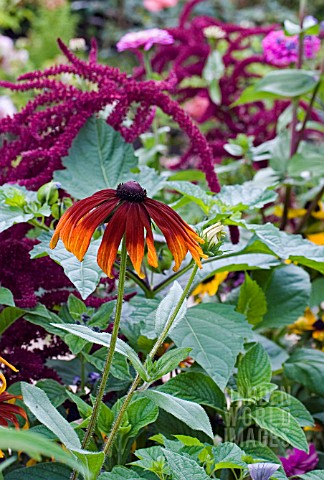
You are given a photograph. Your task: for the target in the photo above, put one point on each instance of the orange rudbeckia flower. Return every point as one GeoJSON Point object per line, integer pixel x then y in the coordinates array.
{"type": "Point", "coordinates": [127, 211]}
{"type": "Point", "coordinates": [8, 411]}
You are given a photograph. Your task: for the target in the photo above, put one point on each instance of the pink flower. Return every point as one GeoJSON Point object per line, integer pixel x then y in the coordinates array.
{"type": "Point", "coordinates": [299, 462]}
{"type": "Point", "coordinates": [196, 106]}
{"type": "Point", "coordinates": [144, 39]}
{"type": "Point", "coordinates": [281, 50]}
{"type": "Point", "coordinates": [157, 5]}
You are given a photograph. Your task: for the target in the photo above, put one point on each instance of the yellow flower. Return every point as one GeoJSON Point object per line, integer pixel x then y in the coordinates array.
{"type": "Point", "coordinates": [292, 212]}
{"type": "Point", "coordinates": [304, 323]}
{"type": "Point", "coordinates": [317, 238]}
{"type": "Point", "coordinates": [319, 212]}
{"type": "Point", "coordinates": [2, 377]}
{"type": "Point", "coordinates": [210, 285]}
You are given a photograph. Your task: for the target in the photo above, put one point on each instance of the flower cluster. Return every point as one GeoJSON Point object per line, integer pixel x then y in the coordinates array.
{"type": "Point", "coordinates": [144, 39]}
{"type": "Point", "coordinates": [11, 58]}
{"type": "Point", "coordinates": [45, 128]}
{"type": "Point", "coordinates": [281, 50]}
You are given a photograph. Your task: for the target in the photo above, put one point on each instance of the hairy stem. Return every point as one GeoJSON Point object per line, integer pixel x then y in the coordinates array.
{"type": "Point", "coordinates": [111, 351]}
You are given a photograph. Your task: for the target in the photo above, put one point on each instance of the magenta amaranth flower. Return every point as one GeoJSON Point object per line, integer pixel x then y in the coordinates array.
{"type": "Point", "coordinates": [281, 50]}
{"type": "Point", "coordinates": [299, 462]}
{"type": "Point", "coordinates": [144, 39]}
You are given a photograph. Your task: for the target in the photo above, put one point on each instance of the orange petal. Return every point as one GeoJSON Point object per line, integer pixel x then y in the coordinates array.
{"type": "Point", "coordinates": [135, 237]}
{"type": "Point", "coordinates": [151, 252]}
{"type": "Point", "coordinates": [80, 237]}
{"type": "Point", "coordinates": [111, 240]}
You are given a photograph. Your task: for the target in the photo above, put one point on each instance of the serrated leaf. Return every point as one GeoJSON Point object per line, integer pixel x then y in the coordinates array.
{"type": "Point", "coordinates": [216, 335]}
{"type": "Point", "coordinates": [103, 151]}
{"type": "Point", "coordinates": [305, 366]}
{"type": "Point", "coordinates": [140, 413]}
{"type": "Point", "coordinates": [167, 307]}
{"type": "Point", "coordinates": [245, 196]}
{"type": "Point", "coordinates": [190, 413]}
{"type": "Point", "coordinates": [196, 387]}
{"type": "Point", "coordinates": [39, 404]}
{"type": "Point", "coordinates": [259, 451]}
{"type": "Point", "coordinates": [277, 354]}
{"type": "Point", "coordinates": [254, 369]}
{"type": "Point", "coordinates": [183, 468]}
{"type": "Point", "coordinates": [228, 455]}
{"type": "Point", "coordinates": [193, 193]}
{"type": "Point", "coordinates": [84, 275]}
{"type": "Point", "coordinates": [252, 301]}
{"type": "Point", "coordinates": [292, 405]}
{"type": "Point", "coordinates": [282, 424]}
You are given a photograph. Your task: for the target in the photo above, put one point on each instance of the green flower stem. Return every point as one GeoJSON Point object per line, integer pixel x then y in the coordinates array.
{"type": "Point", "coordinates": [171, 279]}
{"type": "Point", "coordinates": [37, 224]}
{"type": "Point", "coordinates": [137, 381]}
{"type": "Point", "coordinates": [111, 351]}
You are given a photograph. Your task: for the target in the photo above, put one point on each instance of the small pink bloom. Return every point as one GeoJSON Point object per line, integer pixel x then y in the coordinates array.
{"type": "Point", "coordinates": [196, 107]}
{"type": "Point", "coordinates": [157, 5]}
{"type": "Point", "coordinates": [281, 50]}
{"type": "Point", "coordinates": [144, 39]}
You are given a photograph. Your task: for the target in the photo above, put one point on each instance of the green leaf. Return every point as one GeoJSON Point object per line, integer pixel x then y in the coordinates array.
{"type": "Point", "coordinates": [196, 387]}
{"type": "Point", "coordinates": [305, 366]}
{"type": "Point", "coordinates": [84, 275]}
{"type": "Point", "coordinates": [120, 473]}
{"type": "Point", "coordinates": [259, 451]}
{"type": "Point", "coordinates": [48, 470]}
{"type": "Point", "coordinates": [287, 292]}
{"type": "Point", "coordinates": [152, 181]}
{"type": "Point", "coordinates": [254, 369]}
{"type": "Point", "coordinates": [277, 355]}
{"type": "Point", "coordinates": [310, 27]}
{"type": "Point", "coordinates": [168, 362]}
{"type": "Point", "coordinates": [6, 297]}
{"type": "Point", "coordinates": [228, 455]}
{"type": "Point", "coordinates": [140, 413]}
{"type": "Point", "coordinates": [252, 301]}
{"type": "Point", "coordinates": [183, 468]}
{"type": "Point", "coordinates": [216, 335]}
{"type": "Point", "coordinates": [8, 316]}
{"type": "Point", "coordinates": [282, 424]}
{"type": "Point", "coordinates": [287, 246]}
{"type": "Point", "coordinates": [193, 193]}
{"type": "Point", "coordinates": [246, 196]}
{"type": "Point", "coordinates": [287, 83]}
{"type": "Point", "coordinates": [38, 403]}
{"type": "Point", "coordinates": [190, 413]}
{"type": "Point", "coordinates": [235, 263]}
{"type": "Point", "coordinates": [92, 462]}
{"type": "Point", "coordinates": [103, 151]}
{"type": "Point", "coordinates": [167, 307]}
{"type": "Point", "coordinates": [84, 409]}
{"type": "Point", "coordinates": [317, 292]}
{"type": "Point", "coordinates": [104, 339]}
{"type": "Point", "coordinates": [54, 390]}
{"type": "Point", "coordinates": [213, 71]}
{"type": "Point", "coordinates": [35, 446]}
{"type": "Point", "coordinates": [307, 162]}
{"type": "Point", "coordinates": [314, 475]}
{"type": "Point", "coordinates": [290, 404]}
{"type": "Point", "coordinates": [250, 95]}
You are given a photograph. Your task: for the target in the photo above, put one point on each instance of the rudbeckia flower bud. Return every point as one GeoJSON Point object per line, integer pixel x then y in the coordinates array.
{"type": "Point", "coordinates": [128, 212]}
{"type": "Point", "coordinates": [48, 193]}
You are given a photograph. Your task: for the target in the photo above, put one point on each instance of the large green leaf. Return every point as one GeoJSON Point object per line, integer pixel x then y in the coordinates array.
{"type": "Point", "coordinates": [140, 413]}
{"type": "Point", "coordinates": [194, 193]}
{"type": "Point", "coordinates": [92, 462]}
{"type": "Point", "coordinates": [287, 290]}
{"type": "Point", "coordinates": [183, 468]}
{"type": "Point", "coordinates": [228, 455]}
{"type": "Point", "coordinates": [6, 297]}
{"type": "Point", "coordinates": [189, 413]}
{"type": "Point", "coordinates": [216, 335]}
{"type": "Point", "coordinates": [289, 403]}
{"type": "Point", "coordinates": [277, 355]}
{"type": "Point", "coordinates": [306, 366]}
{"type": "Point", "coordinates": [55, 391]}
{"type": "Point", "coordinates": [282, 424]}
{"type": "Point", "coordinates": [167, 307]}
{"type": "Point", "coordinates": [38, 403]}
{"type": "Point", "coordinates": [287, 83]}
{"type": "Point", "coordinates": [245, 196]}
{"type": "Point", "coordinates": [84, 275]}
{"type": "Point", "coordinates": [259, 451]}
{"type": "Point", "coordinates": [8, 316]}
{"type": "Point", "coordinates": [42, 471]}
{"type": "Point", "coordinates": [196, 387]}
{"type": "Point", "coordinates": [253, 370]}
{"type": "Point", "coordinates": [286, 246]}
{"type": "Point", "coordinates": [314, 475]}
{"type": "Point", "coordinates": [120, 473]}
{"type": "Point", "coordinates": [99, 158]}
{"type": "Point", "coordinates": [35, 446]}
{"type": "Point", "coordinates": [252, 302]}
{"type": "Point", "coordinates": [236, 263]}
